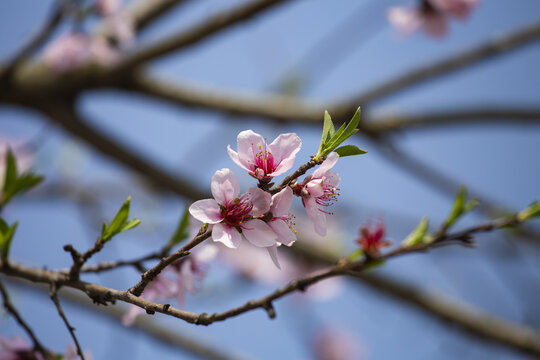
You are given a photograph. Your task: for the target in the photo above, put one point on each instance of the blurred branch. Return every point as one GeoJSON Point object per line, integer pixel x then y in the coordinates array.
{"type": "Point", "coordinates": [71, 329]}
{"type": "Point", "coordinates": [145, 12]}
{"type": "Point", "coordinates": [65, 116]}
{"type": "Point", "coordinates": [488, 50]}
{"type": "Point", "coordinates": [13, 311]}
{"type": "Point", "coordinates": [173, 337]}
{"type": "Point", "coordinates": [41, 35]}
{"type": "Point", "coordinates": [208, 27]}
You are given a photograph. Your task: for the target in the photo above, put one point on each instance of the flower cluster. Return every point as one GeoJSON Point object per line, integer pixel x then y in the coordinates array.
{"type": "Point", "coordinates": [76, 48]}
{"type": "Point", "coordinates": [431, 15]}
{"type": "Point", "coordinates": [372, 239]}
{"type": "Point", "coordinates": [263, 219]}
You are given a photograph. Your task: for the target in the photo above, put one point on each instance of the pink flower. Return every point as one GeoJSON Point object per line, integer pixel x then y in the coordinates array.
{"type": "Point", "coordinates": [408, 20]}
{"type": "Point", "coordinates": [281, 221]}
{"type": "Point", "coordinates": [15, 348]}
{"type": "Point", "coordinates": [319, 191]}
{"type": "Point", "coordinates": [122, 29]}
{"type": "Point", "coordinates": [73, 50]}
{"type": "Point", "coordinates": [335, 343]}
{"type": "Point", "coordinates": [108, 7]}
{"type": "Point", "coordinates": [71, 353]}
{"type": "Point", "coordinates": [264, 161]}
{"type": "Point", "coordinates": [431, 15]}
{"type": "Point", "coordinates": [458, 8]}
{"type": "Point", "coordinates": [235, 217]}
{"type": "Point", "coordinates": [372, 239]}
{"type": "Point", "coordinates": [176, 280]}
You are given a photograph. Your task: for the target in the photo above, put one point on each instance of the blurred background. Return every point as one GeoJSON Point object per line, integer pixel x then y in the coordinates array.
{"type": "Point", "coordinates": [323, 52]}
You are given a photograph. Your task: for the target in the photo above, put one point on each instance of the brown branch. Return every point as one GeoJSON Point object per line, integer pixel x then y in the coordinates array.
{"type": "Point", "coordinates": [199, 32]}
{"type": "Point", "coordinates": [164, 334]}
{"type": "Point", "coordinates": [149, 275]}
{"type": "Point", "coordinates": [13, 311]}
{"type": "Point", "coordinates": [144, 12]}
{"type": "Point", "coordinates": [70, 121]}
{"type": "Point", "coordinates": [295, 175]}
{"type": "Point", "coordinates": [494, 47]}
{"type": "Point", "coordinates": [71, 329]}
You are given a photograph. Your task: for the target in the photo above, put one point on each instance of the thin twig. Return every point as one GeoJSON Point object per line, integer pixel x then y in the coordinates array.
{"type": "Point", "coordinates": [150, 275]}
{"type": "Point", "coordinates": [13, 311]}
{"type": "Point", "coordinates": [199, 32]}
{"type": "Point", "coordinates": [71, 329]}
{"type": "Point", "coordinates": [295, 175]}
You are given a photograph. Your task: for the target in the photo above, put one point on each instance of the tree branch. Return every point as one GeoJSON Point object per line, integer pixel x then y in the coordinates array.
{"type": "Point", "coordinates": [71, 329]}
{"type": "Point", "coordinates": [199, 32]}
{"type": "Point", "coordinates": [144, 12]}
{"type": "Point", "coordinates": [488, 50]}
{"type": "Point", "coordinates": [69, 120]}
{"type": "Point", "coordinates": [13, 311]}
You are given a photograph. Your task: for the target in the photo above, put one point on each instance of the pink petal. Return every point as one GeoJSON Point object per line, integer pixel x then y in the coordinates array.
{"type": "Point", "coordinates": [406, 20]}
{"type": "Point", "coordinates": [332, 179]}
{"type": "Point", "coordinates": [225, 187]}
{"type": "Point", "coordinates": [272, 250]}
{"type": "Point", "coordinates": [260, 200]}
{"type": "Point", "coordinates": [206, 210]}
{"type": "Point", "coordinates": [315, 188]}
{"type": "Point", "coordinates": [234, 157]}
{"type": "Point", "coordinates": [284, 233]}
{"type": "Point", "coordinates": [327, 164]}
{"type": "Point", "coordinates": [205, 253]}
{"type": "Point", "coordinates": [229, 236]}
{"type": "Point", "coordinates": [434, 24]}
{"type": "Point", "coordinates": [281, 202]}
{"type": "Point", "coordinates": [259, 233]}
{"type": "Point", "coordinates": [316, 215]}
{"type": "Point", "coordinates": [249, 144]}
{"type": "Point", "coordinates": [284, 149]}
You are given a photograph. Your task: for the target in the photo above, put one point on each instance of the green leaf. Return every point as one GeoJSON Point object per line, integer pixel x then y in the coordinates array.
{"type": "Point", "coordinates": [417, 235]}
{"type": "Point", "coordinates": [373, 264]}
{"type": "Point", "coordinates": [328, 130]}
{"type": "Point", "coordinates": [471, 205]}
{"type": "Point", "coordinates": [529, 212]}
{"type": "Point", "coordinates": [181, 232]}
{"type": "Point", "coordinates": [6, 237]}
{"type": "Point", "coordinates": [342, 134]}
{"type": "Point", "coordinates": [349, 150]}
{"type": "Point", "coordinates": [355, 255]}
{"type": "Point", "coordinates": [13, 183]}
{"type": "Point", "coordinates": [119, 223]}
{"type": "Point", "coordinates": [458, 208]}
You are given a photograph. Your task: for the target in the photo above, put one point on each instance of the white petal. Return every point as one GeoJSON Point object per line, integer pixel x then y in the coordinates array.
{"type": "Point", "coordinates": [260, 199]}
{"type": "Point", "coordinates": [206, 210]}
{"type": "Point", "coordinates": [284, 233]}
{"type": "Point", "coordinates": [281, 202]}
{"type": "Point", "coordinates": [206, 253]}
{"type": "Point", "coordinates": [315, 188]}
{"type": "Point", "coordinates": [272, 250]}
{"type": "Point", "coordinates": [229, 236]}
{"type": "Point", "coordinates": [225, 187]}
{"type": "Point", "coordinates": [259, 233]}
{"type": "Point", "coordinates": [332, 179]}
{"type": "Point", "coordinates": [327, 164]}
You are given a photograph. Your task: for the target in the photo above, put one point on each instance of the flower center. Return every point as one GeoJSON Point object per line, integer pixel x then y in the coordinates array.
{"type": "Point", "coordinates": [237, 211]}
{"type": "Point", "coordinates": [329, 196]}
{"type": "Point", "coordinates": [264, 160]}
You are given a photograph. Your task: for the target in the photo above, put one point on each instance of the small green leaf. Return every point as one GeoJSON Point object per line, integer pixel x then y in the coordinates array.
{"type": "Point", "coordinates": [181, 232]}
{"type": "Point", "coordinates": [349, 150]}
{"type": "Point", "coordinates": [458, 208]}
{"type": "Point", "coordinates": [13, 183]}
{"type": "Point", "coordinates": [6, 236]}
{"type": "Point", "coordinates": [471, 205]}
{"type": "Point", "coordinates": [328, 130]}
{"type": "Point", "coordinates": [355, 255]}
{"type": "Point", "coordinates": [417, 235]}
{"type": "Point", "coordinates": [371, 264]}
{"type": "Point", "coordinates": [343, 133]}
{"type": "Point", "coordinates": [529, 212]}
{"type": "Point", "coordinates": [119, 223]}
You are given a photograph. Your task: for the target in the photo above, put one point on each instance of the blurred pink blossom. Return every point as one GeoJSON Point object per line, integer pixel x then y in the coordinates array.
{"type": "Point", "coordinates": [179, 278]}
{"type": "Point", "coordinates": [73, 50]}
{"type": "Point", "coordinates": [319, 191]}
{"type": "Point", "coordinates": [108, 7]}
{"type": "Point", "coordinates": [16, 348]}
{"type": "Point", "coordinates": [372, 238]}
{"type": "Point", "coordinates": [264, 161]}
{"type": "Point", "coordinates": [431, 16]}
{"type": "Point", "coordinates": [335, 343]}
{"type": "Point", "coordinates": [235, 217]}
